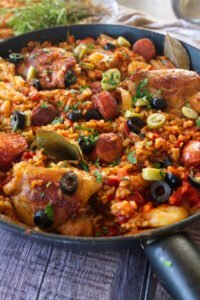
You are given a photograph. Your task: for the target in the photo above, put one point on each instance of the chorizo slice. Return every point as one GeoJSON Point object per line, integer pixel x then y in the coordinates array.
{"type": "Point", "coordinates": [12, 145]}
{"type": "Point", "coordinates": [43, 114]}
{"type": "Point", "coordinates": [108, 148]}
{"type": "Point", "coordinates": [106, 105]}
{"type": "Point", "coordinates": [145, 47]}
{"type": "Point", "coordinates": [191, 154]}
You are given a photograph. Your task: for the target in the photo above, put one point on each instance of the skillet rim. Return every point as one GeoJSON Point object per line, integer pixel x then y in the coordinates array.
{"type": "Point", "coordinates": [94, 242]}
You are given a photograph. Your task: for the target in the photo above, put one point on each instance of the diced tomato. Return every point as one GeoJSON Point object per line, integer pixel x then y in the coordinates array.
{"type": "Point", "coordinates": [27, 155]}
{"type": "Point", "coordinates": [137, 197]}
{"type": "Point", "coordinates": [112, 181]}
{"type": "Point", "coordinates": [185, 192]}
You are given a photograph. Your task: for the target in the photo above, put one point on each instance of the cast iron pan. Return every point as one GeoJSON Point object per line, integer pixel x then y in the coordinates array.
{"type": "Point", "coordinates": [173, 256]}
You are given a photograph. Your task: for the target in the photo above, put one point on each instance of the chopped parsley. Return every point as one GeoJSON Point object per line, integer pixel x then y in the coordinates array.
{"type": "Point", "coordinates": [60, 103]}
{"type": "Point", "coordinates": [71, 107]}
{"type": "Point", "coordinates": [131, 158]}
{"type": "Point", "coordinates": [44, 105]}
{"type": "Point", "coordinates": [94, 137]}
{"type": "Point", "coordinates": [42, 195]}
{"type": "Point", "coordinates": [187, 104]}
{"type": "Point", "coordinates": [97, 163]}
{"type": "Point", "coordinates": [112, 79]}
{"type": "Point", "coordinates": [83, 88]}
{"type": "Point", "coordinates": [90, 46]}
{"type": "Point", "coordinates": [57, 120]}
{"type": "Point", "coordinates": [49, 212]}
{"type": "Point", "coordinates": [142, 91]}
{"type": "Point", "coordinates": [115, 162]}
{"type": "Point", "coordinates": [198, 123]}
{"type": "Point", "coordinates": [48, 184]}
{"type": "Point", "coordinates": [156, 165]}
{"type": "Point", "coordinates": [98, 176]}
{"type": "Point", "coordinates": [84, 166]}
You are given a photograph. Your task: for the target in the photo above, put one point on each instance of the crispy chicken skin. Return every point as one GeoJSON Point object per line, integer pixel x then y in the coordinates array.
{"type": "Point", "coordinates": [177, 87]}
{"type": "Point", "coordinates": [79, 226]}
{"type": "Point", "coordinates": [51, 65]}
{"type": "Point", "coordinates": [32, 188]}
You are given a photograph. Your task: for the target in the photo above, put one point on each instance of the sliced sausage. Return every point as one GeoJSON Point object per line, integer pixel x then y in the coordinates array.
{"type": "Point", "coordinates": [12, 145]}
{"type": "Point", "coordinates": [191, 154]}
{"type": "Point", "coordinates": [108, 147]}
{"type": "Point", "coordinates": [106, 105]}
{"type": "Point", "coordinates": [145, 47]}
{"type": "Point", "coordinates": [43, 114]}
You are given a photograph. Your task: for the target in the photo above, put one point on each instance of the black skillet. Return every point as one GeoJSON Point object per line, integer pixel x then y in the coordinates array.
{"type": "Point", "coordinates": [174, 257]}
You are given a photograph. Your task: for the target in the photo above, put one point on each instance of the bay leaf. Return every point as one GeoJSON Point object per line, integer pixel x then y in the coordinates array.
{"type": "Point", "coordinates": [176, 53]}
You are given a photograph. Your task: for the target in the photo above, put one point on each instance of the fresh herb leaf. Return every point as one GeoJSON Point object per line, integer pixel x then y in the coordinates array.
{"type": "Point", "coordinates": [48, 184]}
{"type": "Point", "coordinates": [198, 123]}
{"type": "Point", "coordinates": [42, 195]}
{"type": "Point", "coordinates": [98, 176]}
{"type": "Point", "coordinates": [57, 120]}
{"type": "Point", "coordinates": [60, 103]}
{"type": "Point", "coordinates": [84, 166]}
{"type": "Point", "coordinates": [156, 165]}
{"type": "Point", "coordinates": [90, 46]}
{"type": "Point", "coordinates": [44, 105]}
{"type": "Point", "coordinates": [142, 91]}
{"type": "Point", "coordinates": [49, 211]}
{"type": "Point", "coordinates": [97, 163]}
{"type": "Point", "coordinates": [131, 157]}
{"type": "Point", "coordinates": [83, 88]}
{"type": "Point", "coordinates": [115, 162]}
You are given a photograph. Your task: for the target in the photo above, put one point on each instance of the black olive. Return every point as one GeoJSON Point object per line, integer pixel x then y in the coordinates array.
{"type": "Point", "coordinates": [18, 120]}
{"type": "Point", "coordinates": [16, 58]}
{"type": "Point", "coordinates": [70, 78]}
{"type": "Point", "coordinates": [160, 191]}
{"type": "Point", "coordinates": [166, 162]}
{"type": "Point", "coordinates": [86, 144]}
{"type": "Point", "coordinates": [75, 115]}
{"type": "Point", "coordinates": [41, 219]}
{"type": "Point", "coordinates": [93, 114]}
{"type": "Point", "coordinates": [69, 183]}
{"type": "Point", "coordinates": [194, 181]}
{"type": "Point", "coordinates": [109, 46]}
{"type": "Point", "coordinates": [173, 180]}
{"type": "Point", "coordinates": [135, 124]}
{"type": "Point", "coordinates": [36, 84]}
{"type": "Point", "coordinates": [158, 103]}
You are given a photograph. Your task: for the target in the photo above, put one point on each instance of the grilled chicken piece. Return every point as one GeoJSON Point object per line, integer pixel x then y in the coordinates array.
{"type": "Point", "coordinates": [79, 226]}
{"type": "Point", "coordinates": [177, 86]}
{"type": "Point", "coordinates": [51, 65]}
{"type": "Point", "coordinates": [32, 188]}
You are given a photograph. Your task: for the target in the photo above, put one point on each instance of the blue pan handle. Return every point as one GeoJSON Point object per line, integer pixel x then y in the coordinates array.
{"type": "Point", "coordinates": [176, 262]}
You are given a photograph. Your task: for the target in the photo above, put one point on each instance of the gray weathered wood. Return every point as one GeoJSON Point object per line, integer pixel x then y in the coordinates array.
{"type": "Point", "coordinates": [31, 271]}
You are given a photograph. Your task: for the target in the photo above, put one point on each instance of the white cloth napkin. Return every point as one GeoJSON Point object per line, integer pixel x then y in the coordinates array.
{"type": "Point", "coordinates": [179, 28]}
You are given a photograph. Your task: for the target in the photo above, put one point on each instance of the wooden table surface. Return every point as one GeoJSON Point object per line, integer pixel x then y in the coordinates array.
{"type": "Point", "coordinates": [29, 270]}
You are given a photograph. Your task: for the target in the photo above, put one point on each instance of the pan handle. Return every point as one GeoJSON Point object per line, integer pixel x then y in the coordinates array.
{"type": "Point", "coordinates": [176, 261]}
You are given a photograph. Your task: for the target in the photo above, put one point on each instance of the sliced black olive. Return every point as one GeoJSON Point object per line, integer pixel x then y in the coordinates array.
{"type": "Point", "coordinates": [93, 114]}
{"type": "Point", "coordinates": [166, 162]}
{"type": "Point", "coordinates": [194, 181]}
{"type": "Point", "coordinates": [158, 103]}
{"type": "Point", "coordinates": [69, 183]}
{"type": "Point", "coordinates": [36, 84]}
{"type": "Point", "coordinates": [75, 115]}
{"type": "Point", "coordinates": [173, 180]}
{"type": "Point", "coordinates": [18, 120]}
{"type": "Point", "coordinates": [70, 78]}
{"type": "Point", "coordinates": [135, 124]}
{"type": "Point", "coordinates": [160, 191]}
{"type": "Point", "coordinates": [16, 58]}
{"type": "Point", "coordinates": [85, 144]}
{"type": "Point", "coordinates": [41, 219]}
{"type": "Point", "coordinates": [109, 46]}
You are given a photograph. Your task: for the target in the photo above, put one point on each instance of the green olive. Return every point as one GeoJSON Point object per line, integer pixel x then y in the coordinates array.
{"type": "Point", "coordinates": [121, 41]}
{"type": "Point", "coordinates": [152, 174]}
{"type": "Point", "coordinates": [80, 51]}
{"type": "Point", "coordinates": [189, 113]}
{"type": "Point", "coordinates": [155, 121]}
{"type": "Point", "coordinates": [87, 66]}
{"type": "Point", "coordinates": [111, 79]}
{"type": "Point", "coordinates": [142, 102]}
{"type": "Point", "coordinates": [30, 75]}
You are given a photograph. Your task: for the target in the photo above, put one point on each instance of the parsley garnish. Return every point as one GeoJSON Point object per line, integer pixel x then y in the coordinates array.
{"type": "Point", "coordinates": [132, 158]}
{"type": "Point", "coordinates": [115, 162]}
{"type": "Point", "coordinates": [83, 88]}
{"type": "Point", "coordinates": [84, 166]}
{"type": "Point", "coordinates": [156, 165]}
{"type": "Point", "coordinates": [90, 46]}
{"type": "Point", "coordinates": [60, 103]}
{"type": "Point", "coordinates": [57, 120]}
{"type": "Point", "coordinates": [42, 195]}
{"type": "Point", "coordinates": [97, 163]}
{"type": "Point", "coordinates": [49, 212]}
{"type": "Point", "coordinates": [72, 107]}
{"type": "Point", "coordinates": [142, 92]}
{"type": "Point", "coordinates": [198, 123]}
{"type": "Point", "coordinates": [98, 176]}
{"type": "Point", "coordinates": [48, 184]}
{"type": "Point", "coordinates": [44, 105]}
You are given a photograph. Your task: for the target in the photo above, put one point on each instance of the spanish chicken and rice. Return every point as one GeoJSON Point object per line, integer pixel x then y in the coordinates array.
{"type": "Point", "coordinates": [98, 137]}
